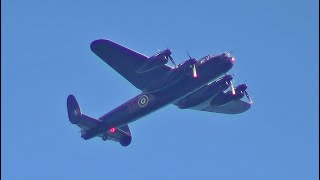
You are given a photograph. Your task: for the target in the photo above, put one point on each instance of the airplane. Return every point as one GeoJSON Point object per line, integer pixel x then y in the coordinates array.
{"type": "Point", "coordinates": [194, 84]}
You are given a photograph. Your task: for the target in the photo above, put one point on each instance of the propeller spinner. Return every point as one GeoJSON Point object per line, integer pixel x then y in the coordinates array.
{"type": "Point", "coordinates": [243, 89]}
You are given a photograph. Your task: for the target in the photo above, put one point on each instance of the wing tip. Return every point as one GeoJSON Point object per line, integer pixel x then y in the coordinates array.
{"type": "Point", "coordinates": [98, 42]}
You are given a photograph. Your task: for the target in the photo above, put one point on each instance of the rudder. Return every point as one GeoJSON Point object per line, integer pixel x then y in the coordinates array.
{"type": "Point", "coordinates": [74, 111]}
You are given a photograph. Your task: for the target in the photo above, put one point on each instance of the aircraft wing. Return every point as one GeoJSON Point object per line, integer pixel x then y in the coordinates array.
{"type": "Point", "coordinates": [233, 107]}
{"type": "Point", "coordinates": [126, 62]}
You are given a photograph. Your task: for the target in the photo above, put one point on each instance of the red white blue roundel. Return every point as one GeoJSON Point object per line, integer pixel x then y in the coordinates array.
{"type": "Point", "coordinates": [143, 101]}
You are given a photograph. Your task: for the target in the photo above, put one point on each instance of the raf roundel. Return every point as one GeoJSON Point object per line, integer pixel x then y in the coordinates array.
{"type": "Point", "coordinates": [143, 101]}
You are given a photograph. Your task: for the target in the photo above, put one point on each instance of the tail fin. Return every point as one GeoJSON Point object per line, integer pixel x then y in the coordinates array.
{"type": "Point", "coordinates": [74, 111]}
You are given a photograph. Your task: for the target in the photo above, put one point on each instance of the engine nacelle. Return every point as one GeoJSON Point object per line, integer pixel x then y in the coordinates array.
{"type": "Point", "coordinates": [224, 98]}
{"type": "Point", "coordinates": [183, 69]}
{"type": "Point", "coordinates": [186, 66]}
{"type": "Point", "coordinates": [155, 61]}
{"type": "Point", "coordinates": [205, 93]}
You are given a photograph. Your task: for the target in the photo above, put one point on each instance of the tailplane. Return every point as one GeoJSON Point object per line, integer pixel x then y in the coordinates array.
{"type": "Point", "coordinates": [76, 117]}
{"type": "Point", "coordinates": [88, 125]}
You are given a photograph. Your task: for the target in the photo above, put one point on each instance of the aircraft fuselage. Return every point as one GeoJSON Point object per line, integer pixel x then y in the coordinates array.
{"type": "Point", "coordinates": [182, 83]}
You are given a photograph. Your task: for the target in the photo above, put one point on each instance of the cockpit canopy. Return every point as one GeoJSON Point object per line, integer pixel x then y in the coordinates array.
{"type": "Point", "coordinates": [225, 54]}
{"type": "Point", "coordinates": [206, 58]}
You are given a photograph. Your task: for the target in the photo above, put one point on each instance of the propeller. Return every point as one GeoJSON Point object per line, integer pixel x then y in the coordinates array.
{"type": "Point", "coordinates": [171, 59]}
{"type": "Point", "coordinates": [242, 87]}
{"type": "Point", "coordinates": [194, 68]}
{"type": "Point", "coordinates": [189, 55]}
{"type": "Point", "coordinates": [247, 94]}
{"type": "Point", "coordinates": [243, 90]}
{"type": "Point", "coordinates": [167, 55]}
{"type": "Point", "coordinates": [231, 86]}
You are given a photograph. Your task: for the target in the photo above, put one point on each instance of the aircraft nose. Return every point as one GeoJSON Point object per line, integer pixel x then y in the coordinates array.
{"type": "Point", "coordinates": [229, 57]}
{"type": "Point", "coordinates": [232, 60]}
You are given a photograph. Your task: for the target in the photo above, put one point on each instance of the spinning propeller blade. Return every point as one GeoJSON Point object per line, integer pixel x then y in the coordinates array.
{"type": "Point", "coordinates": [189, 55]}
{"type": "Point", "coordinates": [231, 85]}
{"type": "Point", "coordinates": [232, 88]}
{"type": "Point", "coordinates": [194, 71]}
{"type": "Point", "coordinates": [171, 59]}
{"type": "Point", "coordinates": [194, 68]}
{"type": "Point", "coordinates": [246, 93]}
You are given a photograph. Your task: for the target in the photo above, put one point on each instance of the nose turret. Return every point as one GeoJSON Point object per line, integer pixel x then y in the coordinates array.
{"type": "Point", "coordinates": [229, 57]}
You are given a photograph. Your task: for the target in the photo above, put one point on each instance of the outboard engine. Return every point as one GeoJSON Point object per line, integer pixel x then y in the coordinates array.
{"type": "Point", "coordinates": [156, 61]}
{"type": "Point", "coordinates": [205, 93]}
{"type": "Point", "coordinates": [224, 98]}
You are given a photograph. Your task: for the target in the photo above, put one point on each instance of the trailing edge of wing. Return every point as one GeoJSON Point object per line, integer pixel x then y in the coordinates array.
{"type": "Point", "coordinates": [233, 107]}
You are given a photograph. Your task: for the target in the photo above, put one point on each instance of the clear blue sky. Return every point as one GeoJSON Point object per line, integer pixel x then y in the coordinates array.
{"type": "Point", "coordinates": [46, 56]}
